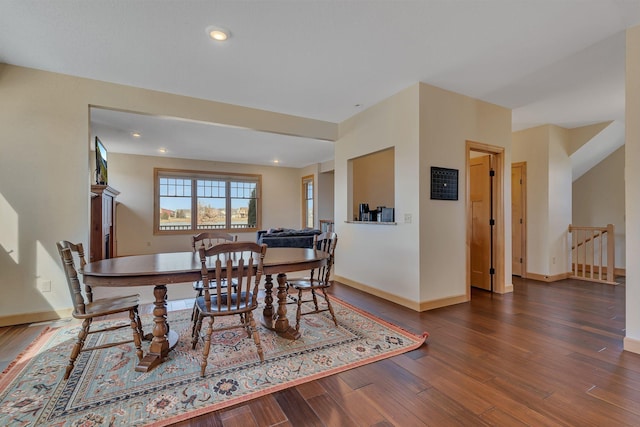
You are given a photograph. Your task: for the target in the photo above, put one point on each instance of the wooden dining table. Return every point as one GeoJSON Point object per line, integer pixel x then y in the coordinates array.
{"type": "Point", "coordinates": [160, 270]}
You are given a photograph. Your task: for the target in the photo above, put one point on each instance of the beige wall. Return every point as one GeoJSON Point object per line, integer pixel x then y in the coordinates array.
{"type": "Point", "coordinates": [325, 195]}
{"type": "Point", "coordinates": [554, 202]}
{"type": "Point", "coordinates": [45, 171]}
{"type": "Point", "coordinates": [632, 195]}
{"type": "Point", "coordinates": [544, 149]}
{"type": "Point", "coordinates": [559, 193]}
{"type": "Point", "coordinates": [133, 176]}
{"type": "Point", "coordinates": [583, 134]}
{"type": "Point", "coordinates": [422, 259]}
{"type": "Point", "coordinates": [368, 254]}
{"type": "Point", "coordinates": [598, 199]}
{"type": "Point", "coordinates": [447, 121]}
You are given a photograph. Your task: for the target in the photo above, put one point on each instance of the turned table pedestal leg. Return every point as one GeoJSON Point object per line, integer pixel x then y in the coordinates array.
{"type": "Point", "coordinates": [164, 339]}
{"type": "Point", "coordinates": [278, 322]}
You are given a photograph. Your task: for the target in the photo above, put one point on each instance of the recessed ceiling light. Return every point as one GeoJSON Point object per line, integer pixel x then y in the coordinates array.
{"type": "Point", "coordinates": [276, 161]}
{"type": "Point", "coordinates": [218, 34]}
{"type": "Point", "coordinates": [162, 150]}
{"type": "Point", "coordinates": [136, 134]}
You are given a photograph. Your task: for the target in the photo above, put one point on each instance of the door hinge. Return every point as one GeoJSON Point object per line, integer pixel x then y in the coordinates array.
{"type": "Point", "coordinates": [492, 222]}
{"type": "Point", "coordinates": [520, 220]}
{"type": "Point", "coordinates": [520, 260]}
{"type": "Point", "coordinates": [492, 172]}
{"type": "Point", "coordinates": [492, 270]}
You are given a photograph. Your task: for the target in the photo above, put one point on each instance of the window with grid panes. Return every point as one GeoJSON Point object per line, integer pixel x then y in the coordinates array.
{"type": "Point", "coordinates": [307, 201]}
{"type": "Point", "coordinates": [194, 201]}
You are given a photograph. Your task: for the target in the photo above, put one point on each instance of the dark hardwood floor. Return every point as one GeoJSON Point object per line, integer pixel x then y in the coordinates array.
{"type": "Point", "coordinates": [548, 354]}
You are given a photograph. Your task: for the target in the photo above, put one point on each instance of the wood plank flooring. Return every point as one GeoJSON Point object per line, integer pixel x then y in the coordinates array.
{"type": "Point", "coordinates": [546, 355]}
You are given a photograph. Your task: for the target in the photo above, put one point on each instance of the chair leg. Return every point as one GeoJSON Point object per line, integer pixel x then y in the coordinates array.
{"type": "Point", "coordinates": [244, 320]}
{"type": "Point", "coordinates": [193, 313]}
{"type": "Point", "coordinates": [135, 325]}
{"type": "Point", "coordinates": [256, 336]}
{"type": "Point", "coordinates": [77, 347]}
{"type": "Point", "coordinates": [195, 332]}
{"type": "Point", "coordinates": [326, 298]}
{"type": "Point", "coordinates": [299, 310]}
{"type": "Point", "coordinates": [207, 345]}
{"type": "Point", "coordinates": [139, 321]}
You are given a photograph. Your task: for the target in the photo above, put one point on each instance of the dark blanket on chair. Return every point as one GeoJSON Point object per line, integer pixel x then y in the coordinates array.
{"type": "Point", "coordinates": [287, 238]}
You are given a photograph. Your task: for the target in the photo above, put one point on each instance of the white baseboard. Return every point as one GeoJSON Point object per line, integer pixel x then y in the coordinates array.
{"type": "Point", "coordinates": [632, 345]}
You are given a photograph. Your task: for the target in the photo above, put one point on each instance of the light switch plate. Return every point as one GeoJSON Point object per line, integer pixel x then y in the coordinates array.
{"type": "Point", "coordinates": [44, 285]}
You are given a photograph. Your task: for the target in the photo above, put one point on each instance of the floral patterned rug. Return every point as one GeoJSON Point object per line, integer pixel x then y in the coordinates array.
{"type": "Point", "coordinates": [105, 390]}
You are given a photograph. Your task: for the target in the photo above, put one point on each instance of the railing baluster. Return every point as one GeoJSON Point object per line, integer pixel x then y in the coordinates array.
{"type": "Point", "coordinates": [592, 257]}
{"type": "Point", "coordinates": [574, 251]}
{"type": "Point", "coordinates": [587, 253]}
{"type": "Point", "coordinates": [584, 253]}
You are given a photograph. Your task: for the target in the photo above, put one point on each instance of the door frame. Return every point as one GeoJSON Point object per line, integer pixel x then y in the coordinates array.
{"type": "Point", "coordinates": [523, 197]}
{"type": "Point", "coordinates": [499, 216]}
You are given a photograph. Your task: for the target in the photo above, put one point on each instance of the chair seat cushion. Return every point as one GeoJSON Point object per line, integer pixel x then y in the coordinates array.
{"type": "Point", "coordinates": [245, 300]}
{"type": "Point", "coordinates": [197, 286]}
{"type": "Point", "coordinates": [307, 284]}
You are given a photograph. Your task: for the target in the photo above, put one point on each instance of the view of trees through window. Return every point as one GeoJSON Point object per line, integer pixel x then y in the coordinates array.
{"type": "Point", "coordinates": [196, 203]}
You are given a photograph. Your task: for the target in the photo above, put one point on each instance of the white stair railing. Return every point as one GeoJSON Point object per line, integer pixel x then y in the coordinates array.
{"type": "Point", "coordinates": [593, 253]}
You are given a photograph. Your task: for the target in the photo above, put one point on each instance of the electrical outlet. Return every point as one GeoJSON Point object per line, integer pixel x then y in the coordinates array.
{"type": "Point", "coordinates": [44, 285]}
{"type": "Point", "coordinates": [553, 260]}
{"type": "Point", "coordinates": [407, 218]}
{"type": "Point", "coordinates": [148, 244]}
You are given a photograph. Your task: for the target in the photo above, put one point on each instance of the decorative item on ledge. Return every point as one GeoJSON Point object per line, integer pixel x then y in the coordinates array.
{"type": "Point", "coordinates": [371, 222]}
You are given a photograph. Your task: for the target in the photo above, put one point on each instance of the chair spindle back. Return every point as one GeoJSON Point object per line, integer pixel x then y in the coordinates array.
{"type": "Point", "coordinates": [242, 261]}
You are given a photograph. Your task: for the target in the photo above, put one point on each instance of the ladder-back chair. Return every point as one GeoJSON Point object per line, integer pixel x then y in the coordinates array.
{"type": "Point", "coordinates": [87, 309]}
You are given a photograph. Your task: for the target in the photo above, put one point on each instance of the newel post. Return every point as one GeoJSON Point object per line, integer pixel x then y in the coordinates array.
{"type": "Point", "coordinates": [611, 252]}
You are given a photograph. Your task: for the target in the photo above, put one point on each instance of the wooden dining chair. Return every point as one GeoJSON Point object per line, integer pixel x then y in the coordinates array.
{"type": "Point", "coordinates": [318, 279]}
{"type": "Point", "coordinates": [205, 240]}
{"type": "Point", "coordinates": [87, 309]}
{"type": "Point", "coordinates": [235, 260]}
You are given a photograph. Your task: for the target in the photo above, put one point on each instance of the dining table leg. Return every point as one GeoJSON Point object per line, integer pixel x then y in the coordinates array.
{"type": "Point", "coordinates": [164, 339]}
{"type": "Point", "coordinates": [277, 322]}
{"type": "Point", "coordinates": [281, 325]}
{"type": "Point", "coordinates": [267, 312]}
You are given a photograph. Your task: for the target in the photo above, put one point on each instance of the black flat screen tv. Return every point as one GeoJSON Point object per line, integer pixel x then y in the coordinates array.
{"type": "Point", "coordinates": [101, 163]}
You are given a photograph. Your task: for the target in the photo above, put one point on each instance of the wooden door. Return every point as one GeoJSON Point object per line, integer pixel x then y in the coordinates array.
{"type": "Point", "coordinates": [518, 212]}
{"type": "Point", "coordinates": [480, 198]}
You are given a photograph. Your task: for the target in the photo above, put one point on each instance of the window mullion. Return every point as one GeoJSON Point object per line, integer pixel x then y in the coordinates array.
{"type": "Point", "coordinates": [227, 193]}
{"type": "Point", "coordinates": [194, 204]}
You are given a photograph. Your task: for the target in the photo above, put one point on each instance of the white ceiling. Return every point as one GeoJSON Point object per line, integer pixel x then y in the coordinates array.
{"type": "Point", "coordinates": [551, 61]}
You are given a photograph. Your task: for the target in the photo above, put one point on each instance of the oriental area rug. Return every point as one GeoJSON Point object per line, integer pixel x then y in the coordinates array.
{"type": "Point", "coordinates": [105, 390]}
